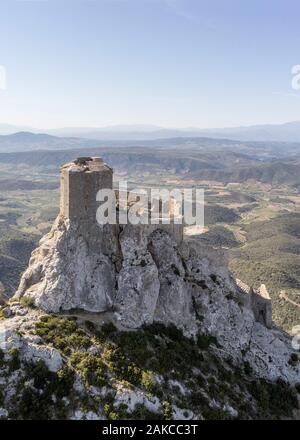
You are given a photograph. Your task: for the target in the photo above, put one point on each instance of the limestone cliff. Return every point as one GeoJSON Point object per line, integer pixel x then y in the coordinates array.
{"type": "Point", "coordinates": [136, 323]}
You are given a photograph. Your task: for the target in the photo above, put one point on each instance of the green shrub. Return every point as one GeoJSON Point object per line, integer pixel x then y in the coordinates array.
{"type": "Point", "coordinates": [167, 410]}
{"type": "Point", "coordinates": [1, 358]}
{"type": "Point", "coordinates": [108, 328]}
{"type": "Point", "coordinates": [121, 367]}
{"type": "Point", "coordinates": [247, 368]}
{"type": "Point", "coordinates": [214, 414]}
{"type": "Point", "coordinates": [140, 412]}
{"type": "Point", "coordinates": [14, 361]}
{"type": "Point", "coordinates": [90, 326]}
{"type": "Point", "coordinates": [90, 367]}
{"type": "Point", "coordinates": [204, 341]}
{"type": "Point", "coordinates": [279, 398]}
{"type": "Point", "coordinates": [62, 333]}
{"type": "Point", "coordinates": [148, 382]}
{"type": "Point", "coordinates": [27, 301]}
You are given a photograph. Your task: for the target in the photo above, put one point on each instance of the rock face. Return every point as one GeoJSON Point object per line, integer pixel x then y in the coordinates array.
{"type": "Point", "coordinates": [28, 346]}
{"type": "Point", "coordinates": [65, 273]}
{"type": "Point", "coordinates": [175, 294]}
{"type": "Point", "coordinates": [142, 274]}
{"type": "Point", "coordinates": [138, 283]}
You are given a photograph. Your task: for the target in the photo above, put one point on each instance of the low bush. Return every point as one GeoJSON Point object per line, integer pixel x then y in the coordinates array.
{"type": "Point", "coordinates": [90, 367]}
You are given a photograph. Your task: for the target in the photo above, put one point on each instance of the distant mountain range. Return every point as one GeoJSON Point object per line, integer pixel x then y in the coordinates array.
{"type": "Point", "coordinates": [26, 141]}
{"type": "Point", "coordinates": [288, 132]}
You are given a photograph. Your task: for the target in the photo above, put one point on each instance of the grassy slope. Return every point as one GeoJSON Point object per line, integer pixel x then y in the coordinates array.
{"type": "Point", "coordinates": [177, 371]}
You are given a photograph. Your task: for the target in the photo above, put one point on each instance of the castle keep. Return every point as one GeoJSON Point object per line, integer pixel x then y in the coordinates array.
{"type": "Point", "coordinates": [80, 182]}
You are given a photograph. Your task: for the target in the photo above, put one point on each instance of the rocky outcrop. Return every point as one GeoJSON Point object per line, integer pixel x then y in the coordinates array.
{"type": "Point", "coordinates": [27, 345]}
{"type": "Point", "coordinates": [64, 273]}
{"type": "Point", "coordinates": [149, 278]}
{"type": "Point", "coordinates": [175, 295]}
{"type": "Point", "coordinates": [138, 283]}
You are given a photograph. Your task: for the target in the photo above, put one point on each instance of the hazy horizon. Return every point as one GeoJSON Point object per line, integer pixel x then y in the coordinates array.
{"type": "Point", "coordinates": [140, 127]}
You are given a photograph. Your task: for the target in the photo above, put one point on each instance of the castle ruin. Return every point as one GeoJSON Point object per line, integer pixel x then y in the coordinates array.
{"type": "Point", "coordinates": [80, 182]}
{"type": "Point", "coordinates": [259, 301]}
{"type": "Point", "coordinates": [142, 272]}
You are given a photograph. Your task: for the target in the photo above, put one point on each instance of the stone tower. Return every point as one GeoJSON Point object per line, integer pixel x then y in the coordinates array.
{"type": "Point", "coordinates": [79, 183]}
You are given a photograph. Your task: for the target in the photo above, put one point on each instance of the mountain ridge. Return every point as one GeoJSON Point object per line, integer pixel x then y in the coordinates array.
{"type": "Point", "coordinates": [285, 132]}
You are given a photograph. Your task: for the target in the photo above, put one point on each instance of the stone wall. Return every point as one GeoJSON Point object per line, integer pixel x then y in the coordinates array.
{"type": "Point", "coordinates": [262, 306]}
{"type": "Point", "coordinates": [175, 230]}
{"type": "Point", "coordinates": [259, 301]}
{"type": "Point", "coordinates": [80, 182]}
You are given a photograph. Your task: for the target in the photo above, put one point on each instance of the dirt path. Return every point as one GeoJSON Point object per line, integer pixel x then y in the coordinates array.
{"type": "Point", "coordinates": [284, 296]}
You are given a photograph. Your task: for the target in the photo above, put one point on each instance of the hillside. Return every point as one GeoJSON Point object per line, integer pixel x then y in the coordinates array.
{"type": "Point", "coordinates": [27, 141]}
{"type": "Point", "coordinates": [216, 165]}
{"type": "Point", "coordinates": [272, 251]}
{"type": "Point", "coordinates": [72, 368]}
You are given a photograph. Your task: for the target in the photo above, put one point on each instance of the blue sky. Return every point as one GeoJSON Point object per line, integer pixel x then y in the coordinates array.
{"type": "Point", "coordinates": [174, 63]}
